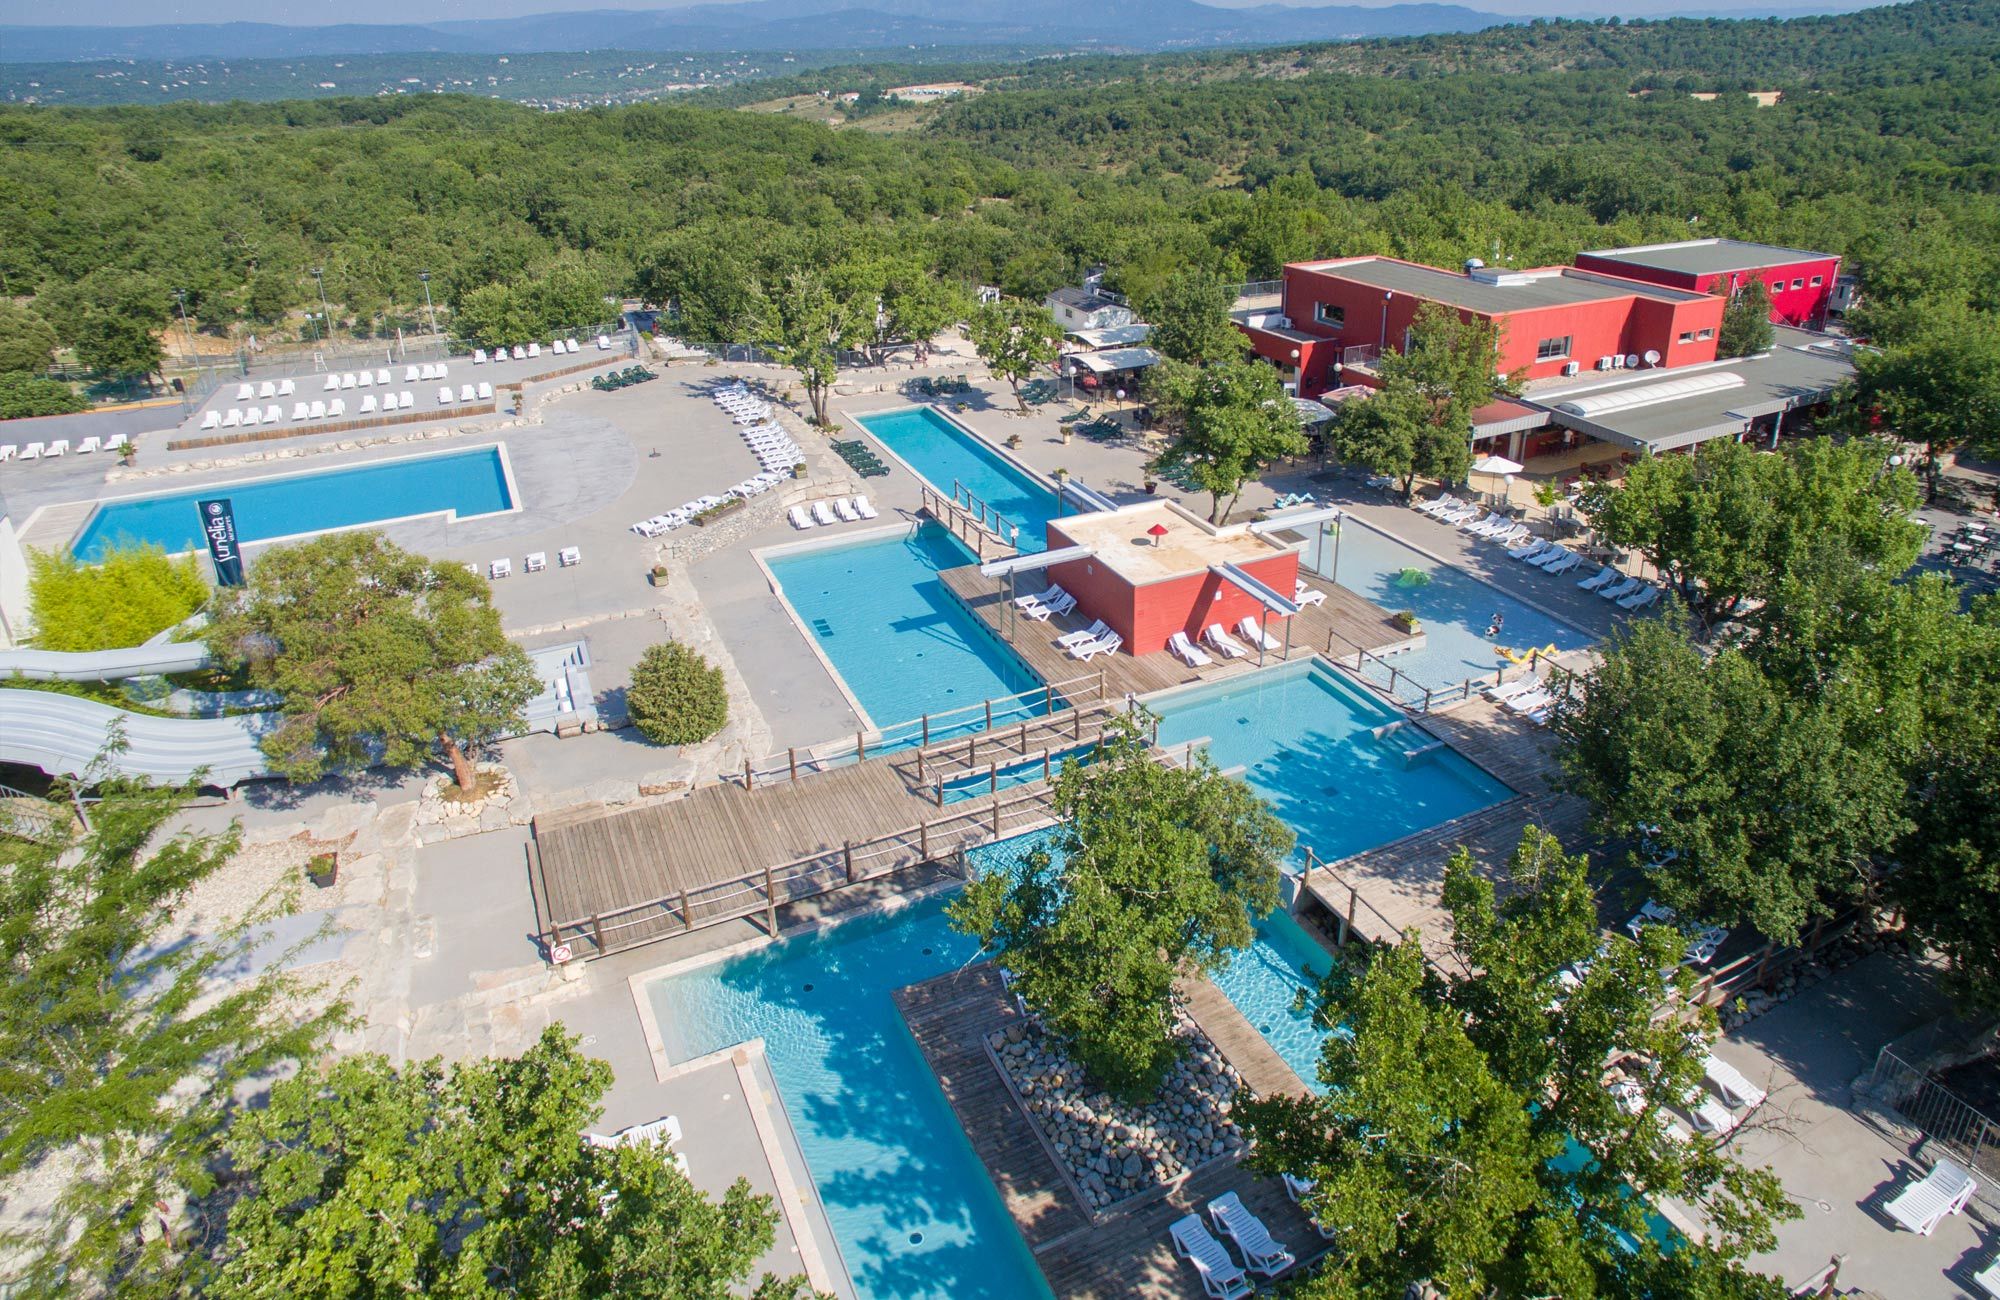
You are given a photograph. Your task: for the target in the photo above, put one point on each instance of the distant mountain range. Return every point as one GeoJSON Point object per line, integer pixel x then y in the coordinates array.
{"type": "Point", "coordinates": [765, 25]}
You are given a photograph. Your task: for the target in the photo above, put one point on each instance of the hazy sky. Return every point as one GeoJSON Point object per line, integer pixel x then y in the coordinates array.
{"type": "Point", "coordinates": [316, 12]}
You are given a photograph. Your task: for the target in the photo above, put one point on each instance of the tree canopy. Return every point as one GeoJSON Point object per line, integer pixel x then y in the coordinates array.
{"type": "Point", "coordinates": [1746, 323]}
{"type": "Point", "coordinates": [805, 322]}
{"type": "Point", "coordinates": [1419, 423]}
{"type": "Point", "coordinates": [1155, 872]}
{"type": "Point", "coordinates": [1015, 340]}
{"type": "Point", "coordinates": [1189, 314]}
{"type": "Point", "coordinates": [121, 600]}
{"type": "Point", "coordinates": [1939, 387]}
{"type": "Point", "coordinates": [1227, 423]}
{"type": "Point", "coordinates": [380, 656]}
{"type": "Point", "coordinates": [1466, 1137]}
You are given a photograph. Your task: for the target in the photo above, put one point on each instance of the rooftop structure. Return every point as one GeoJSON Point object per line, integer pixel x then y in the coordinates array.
{"type": "Point", "coordinates": [1086, 307]}
{"type": "Point", "coordinates": [1800, 282]}
{"type": "Point", "coordinates": [1488, 290]}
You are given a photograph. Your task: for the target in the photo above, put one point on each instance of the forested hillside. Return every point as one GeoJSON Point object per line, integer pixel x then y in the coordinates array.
{"type": "Point", "coordinates": [1887, 151]}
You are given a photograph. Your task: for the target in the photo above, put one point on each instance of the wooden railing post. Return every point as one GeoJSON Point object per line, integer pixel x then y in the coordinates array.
{"type": "Point", "coordinates": [1076, 724]}
{"type": "Point", "coordinates": [597, 931]}
{"type": "Point", "coordinates": [989, 715]}
{"type": "Point", "coordinates": [770, 904]}
{"type": "Point", "coordinates": [1101, 687]}
{"type": "Point", "coordinates": [924, 841]}
{"type": "Point", "coordinates": [749, 778]}
{"type": "Point", "coordinates": [1427, 699]}
{"type": "Point", "coordinates": [1045, 763]}
{"type": "Point", "coordinates": [792, 760]}
{"type": "Point", "coordinates": [920, 767]}
{"type": "Point", "coordinates": [860, 745]}
{"type": "Point", "coordinates": [996, 816]}
{"type": "Point", "coordinates": [940, 792]}
{"type": "Point", "coordinates": [927, 730]}
{"type": "Point", "coordinates": [993, 780]}
{"type": "Point", "coordinates": [687, 913]}
{"type": "Point", "coordinates": [847, 859]}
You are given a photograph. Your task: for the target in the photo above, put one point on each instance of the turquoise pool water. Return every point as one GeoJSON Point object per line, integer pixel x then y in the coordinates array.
{"type": "Point", "coordinates": [943, 453]}
{"type": "Point", "coordinates": [1455, 608]}
{"type": "Point", "coordinates": [1306, 742]}
{"type": "Point", "coordinates": [902, 643]}
{"type": "Point", "coordinates": [909, 1201]}
{"type": "Point", "coordinates": [463, 483]}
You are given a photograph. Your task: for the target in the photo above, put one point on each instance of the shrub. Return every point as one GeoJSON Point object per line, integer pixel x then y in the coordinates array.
{"type": "Point", "coordinates": [22, 396]}
{"type": "Point", "coordinates": [676, 696]}
{"type": "Point", "coordinates": [130, 595]}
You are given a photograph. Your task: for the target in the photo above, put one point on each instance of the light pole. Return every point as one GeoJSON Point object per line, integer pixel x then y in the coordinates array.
{"type": "Point", "coordinates": [187, 330]}
{"type": "Point", "coordinates": [1382, 339]}
{"type": "Point", "coordinates": [429, 307]}
{"type": "Point", "coordinates": [326, 312]}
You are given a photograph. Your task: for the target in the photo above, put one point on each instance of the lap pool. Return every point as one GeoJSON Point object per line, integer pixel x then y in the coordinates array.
{"type": "Point", "coordinates": [457, 484]}
{"type": "Point", "coordinates": [942, 453]}
{"type": "Point", "coordinates": [1455, 608]}
{"type": "Point", "coordinates": [903, 644]}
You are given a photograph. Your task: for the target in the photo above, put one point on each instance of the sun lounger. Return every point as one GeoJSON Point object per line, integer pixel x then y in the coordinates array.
{"type": "Point", "coordinates": [382, 378]}
{"type": "Point", "coordinates": [569, 557]}
{"type": "Point", "coordinates": [862, 508]}
{"type": "Point", "coordinates": [1298, 1189]}
{"type": "Point", "coordinates": [1511, 535]}
{"type": "Point", "coordinates": [1187, 651]}
{"type": "Point", "coordinates": [535, 562]}
{"type": "Point", "coordinates": [270, 415]}
{"type": "Point", "coordinates": [1251, 631]}
{"type": "Point", "coordinates": [1563, 564]}
{"type": "Point", "coordinates": [465, 392]}
{"type": "Point", "coordinates": [301, 410]}
{"type": "Point", "coordinates": [444, 395]}
{"type": "Point", "coordinates": [1304, 595]}
{"type": "Point", "coordinates": [1049, 594]}
{"type": "Point", "coordinates": [823, 513]}
{"type": "Point", "coordinates": [286, 388]}
{"type": "Point", "coordinates": [1921, 1206]}
{"type": "Point", "coordinates": [1988, 1279]}
{"type": "Point", "coordinates": [845, 509]}
{"type": "Point", "coordinates": [1604, 577]}
{"type": "Point", "coordinates": [1097, 631]}
{"type": "Point", "coordinates": [1527, 703]}
{"type": "Point", "coordinates": [1461, 515]}
{"type": "Point", "coordinates": [800, 519]}
{"type": "Point", "coordinates": [244, 392]}
{"type": "Point", "coordinates": [1711, 1116]}
{"type": "Point", "coordinates": [1641, 598]}
{"type": "Point", "coordinates": [500, 568]}
{"type": "Point", "coordinates": [410, 374]}
{"type": "Point", "coordinates": [1042, 612]}
{"type": "Point", "coordinates": [1221, 1279]}
{"type": "Point", "coordinates": [212, 419]}
{"type": "Point", "coordinates": [346, 381]}
{"type": "Point", "coordinates": [318, 409]}
{"type": "Point", "coordinates": [1731, 1083]}
{"type": "Point", "coordinates": [33, 451]}
{"type": "Point", "coordinates": [1091, 649]}
{"type": "Point", "coordinates": [332, 384]}
{"type": "Point", "coordinates": [1222, 643]}
{"type": "Point", "coordinates": [604, 343]}
{"type": "Point", "coordinates": [1620, 590]}
{"type": "Point", "coordinates": [60, 447]}
{"type": "Point", "coordinates": [1262, 1253]}
{"type": "Point", "coordinates": [8, 452]}
{"type": "Point", "coordinates": [1508, 690]}
{"type": "Point", "coordinates": [479, 356]}
{"type": "Point", "coordinates": [1441, 506]}
{"type": "Point", "coordinates": [486, 392]}
{"type": "Point", "coordinates": [231, 418]}
{"type": "Point", "coordinates": [1550, 556]}
{"type": "Point", "coordinates": [337, 407]}
{"type": "Point", "coordinates": [1530, 548]}
{"type": "Point", "coordinates": [365, 378]}
{"type": "Point", "coordinates": [267, 390]}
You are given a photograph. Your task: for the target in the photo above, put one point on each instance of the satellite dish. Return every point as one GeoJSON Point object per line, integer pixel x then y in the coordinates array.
{"type": "Point", "coordinates": [1652, 357]}
{"type": "Point", "coordinates": [1632, 361]}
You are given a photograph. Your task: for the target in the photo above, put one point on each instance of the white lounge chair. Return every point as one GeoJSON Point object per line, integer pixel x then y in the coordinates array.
{"type": "Point", "coordinates": [1222, 643]}
{"type": "Point", "coordinates": [271, 415]}
{"type": "Point", "coordinates": [1510, 535]}
{"type": "Point", "coordinates": [267, 390]}
{"type": "Point", "coordinates": [244, 392]}
{"type": "Point", "coordinates": [1988, 1279]}
{"type": "Point", "coordinates": [444, 395]}
{"type": "Point", "coordinates": [60, 447]}
{"type": "Point", "coordinates": [1550, 556]}
{"type": "Point", "coordinates": [233, 417]}
{"type": "Point", "coordinates": [1097, 631]}
{"type": "Point", "coordinates": [534, 349]}
{"type": "Point", "coordinates": [317, 410]}
{"type": "Point", "coordinates": [213, 419]}
{"type": "Point", "coordinates": [536, 561]}
{"type": "Point", "coordinates": [1221, 1279]}
{"type": "Point", "coordinates": [368, 405]}
{"type": "Point", "coordinates": [348, 381]}
{"type": "Point", "coordinates": [364, 378]}
{"type": "Point", "coordinates": [1505, 691]}
{"type": "Point", "coordinates": [862, 508]}
{"type": "Point", "coordinates": [1641, 598]}
{"type": "Point", "coordinates": [1529, 702]}
{"type": "Point", "coordinates": [1620, 590]}
{"type": "Point", "coordinates": [301, 410]}
{"type": "Point", "coordinates": [500, 568]}
{"type": "Point", "coordinates": [337, 407]}
{"type": "Point", "coordinates": [1304, 595]}
{"type": "Point", "coordinates": [604, 343]}
{"type": "Point", "coordinates": [479, 356]}
{"type": "Point", "coordinates": [7, 452]}
{"type": "Point", "coordinates": [1530, 548]}
{"type": "Point", "coordinates": [1091, 649]}
{"type": "Point", "coordinates": [1731, 1083]}
{"type": "Point", "coordinates": [332, 384]}
{"type": "Point", "coordinates": [286, 388]}
{"type": "Point", "coordinates": [485, 392]}
{"type": "Point", "coordinates": [569, 557]}
{"type": "Point", "coordinates": [1711, 1116]}
{"type": "Point", "coordinates": [1262, 1252]}
{"type": "Point", "coordinates": [845, 509]}
{"type": "Point", "coordinates": [87, 446]}
{"type": "Point", "coordinates": [411, 374]}
{"type": "Point", "coordinates": [381, 378]}
{"type": "Point", "coordinates": [465, 392]}
{"type": "Point", "coordinates": [1187, 651]}
{"type": "Point", "coordinates": [799, 517]}
{"type": "Point", "coordinates": [406, 399]}
{"type": "Point", "coordinates": [1562, 563]}
{"type": "Point", "coordinates": [1921, 1206]}
{"type": "Point", "coordinates": [1604, 577]}
{"type": "Point", "coordinates": [118, 442]}
{"type": "Point", "coordinates": [823, 513]}
{"type": "Point", "coordinates": [1250, 631]}
{"type": "Point", "coordinates": [427, 371]}
{"type": "Point", "coordinates": [32, 451]}
{"type": "Point", "coordinates": [520, 353]}
{"type": "Point", "coordinates": [1043, 612]}
{"type": "Point", "coordinates": [1048, 594]}
{"type": "Point", "coordinates": [1298, 1189]}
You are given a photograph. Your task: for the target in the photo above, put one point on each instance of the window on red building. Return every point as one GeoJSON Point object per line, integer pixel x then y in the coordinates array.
{"type": "Point", "coordinates": [1552, 349]}
{"type": "Point", "coordinates": [1327, 313]}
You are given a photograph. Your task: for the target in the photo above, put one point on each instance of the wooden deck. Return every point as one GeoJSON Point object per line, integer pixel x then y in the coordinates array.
{"type": "Point", "coordinates": [1341, 623]}
{"type": "Point", "coordinates": [1125, 1253]}
{"type": "Point", "coordinates": [1262, 1070]}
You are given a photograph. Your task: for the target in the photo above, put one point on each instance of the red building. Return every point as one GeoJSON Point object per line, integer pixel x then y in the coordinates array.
{"type": "Point", "coordinates": [1552, 321]}
{"type": "Point", "coordinates": [1148, 586]}
{"type": "Point", "coordinates": [1801, 284]}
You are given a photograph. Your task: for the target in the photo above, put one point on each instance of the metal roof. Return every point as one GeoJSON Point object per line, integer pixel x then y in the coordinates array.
{"type": "Point", "coordinates": [1496, 291]}
{"type": "Point", "coordinates": [1114, 336]}
{"type": "Point", "coordinates": [1708, 256]}
{"type": "Point", "coordinates": [1114, 359]}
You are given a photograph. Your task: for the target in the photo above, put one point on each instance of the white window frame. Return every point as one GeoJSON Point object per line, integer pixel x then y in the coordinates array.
{"type": "Point", "coordinates": [1565, 342]}
{"type": "Point", "coordinates": [1331, 315]}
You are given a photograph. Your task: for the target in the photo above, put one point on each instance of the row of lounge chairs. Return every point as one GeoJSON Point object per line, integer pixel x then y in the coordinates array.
{"type": "Point", "coordinates": [60, 447]}
{"type": "Point", "coordinates": [1614, 585]}
{"type": "Point", "coordinates": [535, 562]}
{"type": "Point", "coordinates": [522, 351]}
{"type": "Point", "coordinates": [1548, 556]}
{"type": "Point", "coordinates": [618, 379]}
{"type": "Point", "coordinates": [942, 384]}
{"type": "Point", "coordinates": [774, 448]}
{"type": "Point", "coordinates": [688, 511]}
{"type": "Point", "coordinates": [1527, 697]}
{"type": "Point", "coordinates": [1221, 1276]}
{"type": "Point", "coordinates": [835, 510]}
{"type": "Point", "coordinates": [860, 458]}
{"type": "Point", "coordinates": [1045, 605]}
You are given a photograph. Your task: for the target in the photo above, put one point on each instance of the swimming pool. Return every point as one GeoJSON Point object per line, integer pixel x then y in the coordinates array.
{"type": "Point", "coordinates": [1308, 743]}
{"type": "Point", "coordinates": [1454, 607]}
{"type": "Point", "coordinates": [458, 484]}
{"type": "Point", "coordinates": [942, 453]}
{"type": "Point", "coordinates": [907, 1198]}
{"type": "Point", "coordinates": [903, 644]}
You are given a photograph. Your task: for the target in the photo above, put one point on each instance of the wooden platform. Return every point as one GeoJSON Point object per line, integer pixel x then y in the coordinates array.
{"type": "Point", "coordinates": [1125, 1253]}
{"type": "Point", "coordinates": [1342, 622]}
{"type": "Point", "coordinates": [1255, 1061]}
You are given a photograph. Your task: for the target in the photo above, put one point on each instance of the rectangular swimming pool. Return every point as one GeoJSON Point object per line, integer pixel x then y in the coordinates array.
{"type": "Point", "coordinates": [457, 484]}
{"type": "Point", "coordinates": [942, 453]}
{"type": "Point", "coordinates": [903, 645]}
{"type": "Point", "coordinates": [1455, 608]}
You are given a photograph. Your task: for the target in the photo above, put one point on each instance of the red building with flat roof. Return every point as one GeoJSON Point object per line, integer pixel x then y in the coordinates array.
{"type": "Point", "coordinates": [1801, 284]}
{"type": "Point", "coordinates": [1552, 321]}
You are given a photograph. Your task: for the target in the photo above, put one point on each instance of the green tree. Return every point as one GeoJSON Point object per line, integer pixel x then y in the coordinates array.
{"type": "Point", "coordinates": [125, 1040]}
{"type": "Point", "coordinates": [804, 324]}
{"type": "Point", "coordinates": [1388, 432]}
{"type": "Point", "coordinates": [1420, 422]}
{"type": "Point", "coordinates": [1015, 339]}
{"type": "Point", "coordinates": [1190, 319]}
{"type": "Point", "coordinates": [381, 656]}
{"type": "Point", "coordinates": [676, 696]}
{"type": "Point", "coordinates": [27, 342]}
{"type": "Point", "coordinates": [121, 600]}
{"type": "Point", "coordinates": [706, 285]}
{"type": "Point", "coordinates": [1724, 525]}
{"type": "Point", "coordinates": [23, 395]}
{"type": "Point", "coordinates": [1746, 323]}
{"type": "Point", "coordinates": [921, 306]}
{"type": "Point", "coordinates": [366, 1179]}
{"type": "Point", "coordinates": [1156, 872]}
{"type": "Point", "coordinates": [1940, 389]}
{"type": "Point", "coordinates": [1466, 1139]}
{"type": "Point", "coordinates": [1229, 422]}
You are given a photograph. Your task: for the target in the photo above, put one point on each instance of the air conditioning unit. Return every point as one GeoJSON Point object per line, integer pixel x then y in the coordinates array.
{"type": "Point", "coordinates": [1604, 363]}
{"type": "Point", "coordinates": [1284, 322]}
{"type": "Point", "coordinates": [1571, 367]}
{"type": "Point", "coordinates": [1618, 362]}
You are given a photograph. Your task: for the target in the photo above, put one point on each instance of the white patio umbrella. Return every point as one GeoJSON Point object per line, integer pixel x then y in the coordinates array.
{"type": "Point", "coordinates": [1497, 467]}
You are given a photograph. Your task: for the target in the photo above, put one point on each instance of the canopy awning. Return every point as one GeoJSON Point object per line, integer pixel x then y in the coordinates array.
{"type": "Point", "coordinates": [1114, 336]}
{"type": "Point", "coordinates": [1112, 360]}
{"type": "Point", "coordinates": [1311, 412]}
{"type": "Point", "coordinates": [1028, 560]}
{"type": "Point", "coordinates": [1263, 594]}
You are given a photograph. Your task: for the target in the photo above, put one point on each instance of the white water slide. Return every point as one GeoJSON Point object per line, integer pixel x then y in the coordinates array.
{"type": "Point", "coordinates": [63, 735]}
